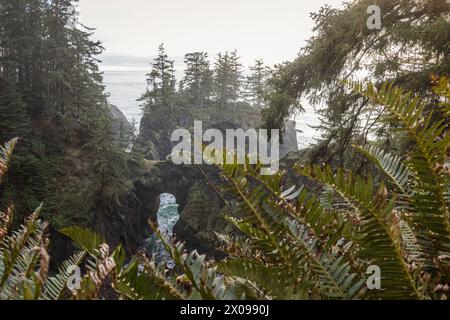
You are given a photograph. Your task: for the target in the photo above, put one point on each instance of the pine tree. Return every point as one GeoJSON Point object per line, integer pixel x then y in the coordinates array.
{"type": "Point", "coordinates": [236, 79]}
{"type": "Point", "coordinates": [57, 18]}
{"type": "Point", "coordinates": [161, 82]}
{"type": "Point", "coordinates": [256, 84]}
{"type": "Point", "coordinates": [51, 59]}
{"type": "Point", "coordinates": [12, 36]}
{"type": "Point", "coordinates": [50, 79]}
{"type": "Point", "coordinates": [197, 82]}
{"type": "Point", "coordinates": [14, 118]}
{"type": "Point", "coordinates": [227, 79]}
{"type": "Point", "coordinates": [411, 46]}
{"type": "Point", "coordinates": [108, 160]}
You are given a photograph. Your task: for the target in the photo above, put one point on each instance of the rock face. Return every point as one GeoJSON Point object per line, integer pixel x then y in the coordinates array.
{"type": "Point", "coordinates": [157, 126]}
{"type": "Point", "coordinates": [119, 119]}
{"type": "Point", "coordinates": [201, 209]}
{"type": "Point", "coordinates": [120, 126]}
{"type": "Point", "coordinates": [290, 139]}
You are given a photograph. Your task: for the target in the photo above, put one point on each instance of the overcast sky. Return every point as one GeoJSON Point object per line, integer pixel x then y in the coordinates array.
{"type": "Point", "coordinates": [131, 30]}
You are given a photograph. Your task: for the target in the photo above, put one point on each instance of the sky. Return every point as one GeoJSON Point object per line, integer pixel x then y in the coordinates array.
{"type": "Point", "coordinates": [131, 30]}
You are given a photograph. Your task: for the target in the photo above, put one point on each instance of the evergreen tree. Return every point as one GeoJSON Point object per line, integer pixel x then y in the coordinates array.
{"type": "Point", "coordinates": [52, 60]}
{"type": "Point", "coordinates": [14, 118]}
{"type": "Point", "coordinates": [411, 46]}
{"type": "Point", "coordinates": [109, 162]}
{"type": "Point", "coordinates": [58, 14]}
{"type": "Point", "coordinates": [161, 82]}
{"type": "Point", "coordinates": [51, 94]}
{"type": "Point", "coordinates": [256, 84]}
{"type": "Point", "coordinates": [227, 79]}
{"type": "Point", "coordinates": [197, 81]}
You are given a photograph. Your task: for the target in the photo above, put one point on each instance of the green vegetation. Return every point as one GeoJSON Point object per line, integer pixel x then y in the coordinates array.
{"type": "Point", "coordinates": [219, 85]}
{"type": "Point", "coordinates": [51, 97]}
{"type": "Point", "coordinates": [411, 47]}
{"type": "Point", "coordinates": [291, 244]}
{"type": "Point", "coordinates": [373, 192]}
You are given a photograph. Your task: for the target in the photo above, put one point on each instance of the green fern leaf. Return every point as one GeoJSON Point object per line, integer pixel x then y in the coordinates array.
{"type": "Point", "coordinates": [56, 286]}
{"type": "Point", "coordinates": [87, 239]}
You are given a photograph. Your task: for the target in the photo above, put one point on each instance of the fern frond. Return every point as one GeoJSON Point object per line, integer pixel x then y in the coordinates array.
{"type": "Point", "coordinates": [6, 219]}
{"type": "Point", "coordinates": [333, 274]}
{"type": "Point", "coordinates": [56, 286]}
{"type": "Point", "coordinates": [378, 243]}
{"type": "Point", "coordinates": [101, 266]}
{"type": "Point", "coordinates": [6, 152]}
{"type": "Point", "coordinates": [391, 166]}
{"type": "Point", "coordinates": [17, 247]}
{"type": "Point", "coordinates": [87, 239]}
{"type": "Point", "coordinates": [282, 231]}
{"type": "Point", "coordinates": [300, 205]}
{"type": "Point", "coordinates": [271, 281]}
{"type": "Point", "coordinates": [426, 164]}
{"type": "Point", "coordinates": [408, 111]}
{"type": "Point", "coordinates": [141, 279]}
{"type": "Point", "coordinates": [100, 269]}
{"type": "Point", "coordinates": [409, 243]}
{"type": "Point", "coordinates": [206, 283]}
{"type": "Point", "coordinates": [21, 254]}
{"type": "Point", "coordinates": [443, 90]}
{"type": "Point", "coordinates": [165, 289]}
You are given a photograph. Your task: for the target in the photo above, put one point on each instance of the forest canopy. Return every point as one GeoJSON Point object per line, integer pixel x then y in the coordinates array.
{"type": "Point", "coordinates": [411, 47]}
{"type": "Point", "coordinates": [362, 213]}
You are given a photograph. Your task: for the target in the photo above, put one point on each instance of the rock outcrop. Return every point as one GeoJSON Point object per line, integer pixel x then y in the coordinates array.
{"type": "Point", "coordinates": [201, 209]}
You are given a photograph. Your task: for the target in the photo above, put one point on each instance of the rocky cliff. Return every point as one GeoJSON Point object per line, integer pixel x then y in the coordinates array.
{"type": "Point", "coordinates": [125, 220]}
{"type": "Point", "coordinates": [200, 207]}
{"type": "Point", "coordinates": [117, 202]}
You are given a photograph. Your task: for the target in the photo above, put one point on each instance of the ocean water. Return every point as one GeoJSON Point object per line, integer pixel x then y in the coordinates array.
{"type": "Point", "coordinates": [126, 87]}
{"type": "Point", "coordinates": [168, 216]}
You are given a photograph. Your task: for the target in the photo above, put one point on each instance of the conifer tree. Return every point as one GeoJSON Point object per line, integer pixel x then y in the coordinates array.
{"type": "Point", "coordinates": [108, 161]}
{"type": "Point", "coordinates": [51, 94]}
{"type": "Point", "coordinates": [50, 58]}
{"type": "Point", "coordinates": [256, 84]}
{"type": "Point", "coordinates": [411, 46]}
{"type": "Point", "coordinates": [197, 81]}
{"type": "Point", "coordinates": [227, 79]}
{"type": "Point", "coordinates": [14, 118]}
{"type": "Point", "coordinates": [161, 82]}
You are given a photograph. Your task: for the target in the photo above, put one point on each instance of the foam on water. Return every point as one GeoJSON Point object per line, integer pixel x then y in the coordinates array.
{"type": "Point", "coordinates": [167, 216]}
